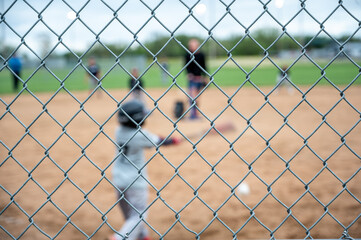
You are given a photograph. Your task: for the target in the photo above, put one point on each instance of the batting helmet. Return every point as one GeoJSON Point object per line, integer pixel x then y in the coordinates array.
{"type": "Point", "coordinates": [131, 113]}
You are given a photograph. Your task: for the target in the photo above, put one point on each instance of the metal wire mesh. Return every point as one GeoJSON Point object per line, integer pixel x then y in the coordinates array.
{"type": "Point", "coordinates": [9, 110]}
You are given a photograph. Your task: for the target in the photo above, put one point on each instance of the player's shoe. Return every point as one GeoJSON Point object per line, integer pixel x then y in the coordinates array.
{"type": "Point", "coordinates": [112, 237]}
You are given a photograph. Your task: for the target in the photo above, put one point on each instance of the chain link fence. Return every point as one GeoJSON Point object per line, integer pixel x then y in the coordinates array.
{"type": "Point", "coordinates": [299, 152]}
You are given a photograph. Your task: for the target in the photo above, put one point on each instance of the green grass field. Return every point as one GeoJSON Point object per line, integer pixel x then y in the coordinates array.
{"type": "Point", "coordinates": [340, 72]}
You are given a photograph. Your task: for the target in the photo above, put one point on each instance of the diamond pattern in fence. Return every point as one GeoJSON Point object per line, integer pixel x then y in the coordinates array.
{"type": "Point", "coordinates": [296, 147]}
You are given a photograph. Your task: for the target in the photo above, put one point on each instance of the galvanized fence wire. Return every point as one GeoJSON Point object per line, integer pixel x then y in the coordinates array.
{"type": "Point", "coordinates": [212, 126]}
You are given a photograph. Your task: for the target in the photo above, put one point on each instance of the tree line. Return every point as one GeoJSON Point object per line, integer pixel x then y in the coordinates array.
{"type": "Point", "coordinates": [254, 43]}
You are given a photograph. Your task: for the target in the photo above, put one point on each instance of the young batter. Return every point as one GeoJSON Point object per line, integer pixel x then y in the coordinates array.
{"type": "Point", "coordinates": [129, 170]}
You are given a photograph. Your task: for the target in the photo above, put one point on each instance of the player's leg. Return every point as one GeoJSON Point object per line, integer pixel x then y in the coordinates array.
{"type": "Point", "coordinates": [289, 86]}
{"type": "Point", "coordinates": [132, 206]}
{"type": "Point", "coordinates": [95, 85]}
{"type": "Point", "coordinates": [192, 91]}
{"type": "Point", "coordinates": [15, 80]}
{"type": "Point", "coordinates": [90, 84]}
{"type": "Point", "coordinates": [278, 83]}
{"type": "Point", "coordinates": [139, 199]}
{"type": "Point", "coordinates": [198, 88]}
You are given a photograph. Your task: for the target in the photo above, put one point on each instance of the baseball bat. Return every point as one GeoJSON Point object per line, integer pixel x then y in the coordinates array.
{"type": "Point", "coordinates": [222, 128]}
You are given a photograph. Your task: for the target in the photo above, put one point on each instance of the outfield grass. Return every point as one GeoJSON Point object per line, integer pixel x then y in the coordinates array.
{"type": "Point", "coordinates": [340, 73]}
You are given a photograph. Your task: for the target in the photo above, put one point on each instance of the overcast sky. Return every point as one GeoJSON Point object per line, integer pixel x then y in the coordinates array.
{"type": "Point", "coordinates": [172, 14]}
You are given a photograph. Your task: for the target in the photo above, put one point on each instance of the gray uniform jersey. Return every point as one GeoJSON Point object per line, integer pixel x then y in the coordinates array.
{"type": "Point", "coordinates": [125, 169]}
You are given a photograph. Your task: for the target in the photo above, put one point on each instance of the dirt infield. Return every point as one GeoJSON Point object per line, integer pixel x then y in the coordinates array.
{"type": "Point", "coordinates": [205, 204]}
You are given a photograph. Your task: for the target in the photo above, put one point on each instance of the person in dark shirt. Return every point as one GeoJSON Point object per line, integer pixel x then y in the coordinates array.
{"type": "Point", "coordinates": [93, 74]}
{"type": "Point", "coordinates": [196, 67]}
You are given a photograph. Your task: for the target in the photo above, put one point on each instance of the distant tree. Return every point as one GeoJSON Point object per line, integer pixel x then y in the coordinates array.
{"type": "Point", "coordinates": [6, 51]}
{"type": "Point", "coordinates": [252, 43]}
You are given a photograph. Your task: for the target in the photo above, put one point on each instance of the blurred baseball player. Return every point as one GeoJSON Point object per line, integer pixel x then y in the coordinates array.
{"type": "Point", "coordinates": [195, 74]}
{"type": "Point", "coordinates": [129, 170]}
{"type": "Point", "coordinates": [136, 85]}
{"type": "Point", "coordinates": [93, 74]}
{"type": "Point", "coordinates": [283, 79]}
{"type": "Point", "coordinates": [15, 65]}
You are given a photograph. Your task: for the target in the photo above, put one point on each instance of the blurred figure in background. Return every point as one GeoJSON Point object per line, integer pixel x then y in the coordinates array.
{"type": "Point", "coordinates": [136, 85]}
{"type": "Point", "coordinates": [15, 66]}
{"type": "Point", "coordinates": [93, 75]}
{"type": "Point", "coordinates": [164, 75]}
{"type": "Point", "coordinates": [196, 65]}
{"type": "Point", "coordinates": [283, 79]}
